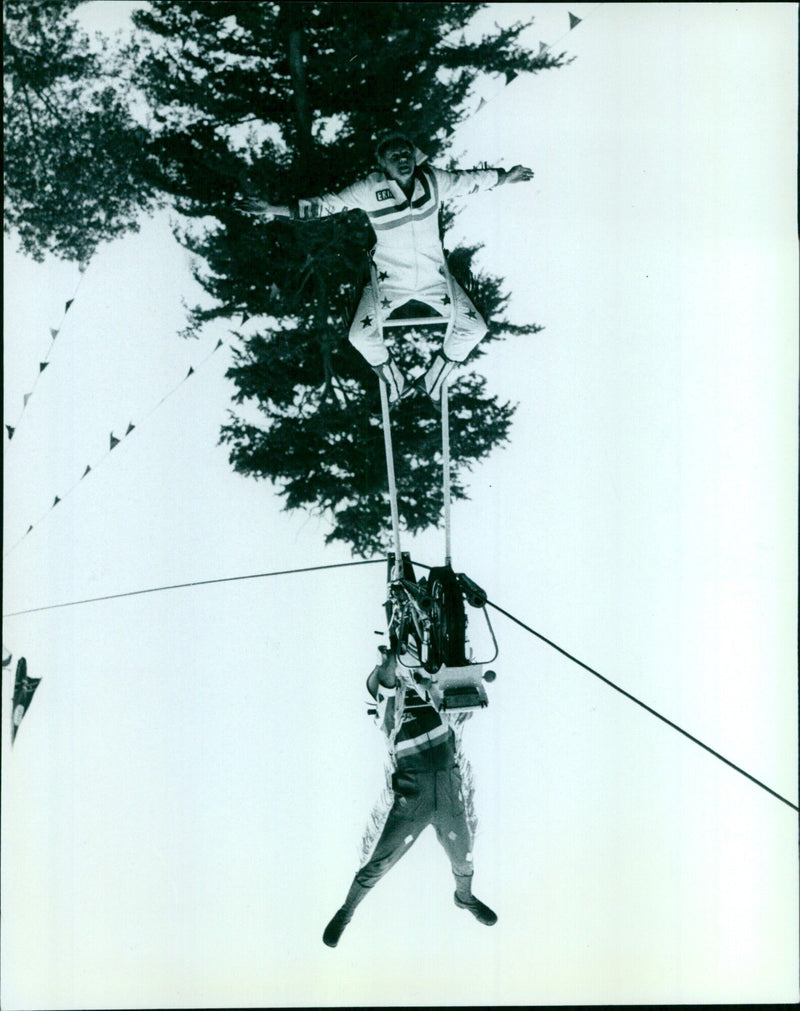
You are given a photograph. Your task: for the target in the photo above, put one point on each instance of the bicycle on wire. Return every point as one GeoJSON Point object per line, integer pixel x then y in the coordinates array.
{"type": "Point", "coordinates": [426, 618]}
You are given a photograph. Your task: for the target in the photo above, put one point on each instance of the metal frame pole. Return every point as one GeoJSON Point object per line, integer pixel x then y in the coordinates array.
{"type": "Point", "coordinates": [387, 441]}
{"type": "Point", "coordinates": [446, 468]}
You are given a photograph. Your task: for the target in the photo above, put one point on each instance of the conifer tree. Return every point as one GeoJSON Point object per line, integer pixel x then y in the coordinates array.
{"type": "Point", "coordinates": [285, 100]}
{"type": "Point", "coordinates": [73, 153]}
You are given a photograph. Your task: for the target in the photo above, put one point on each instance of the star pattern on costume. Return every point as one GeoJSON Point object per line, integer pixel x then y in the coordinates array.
{"type": "Point", "coordinates": [366, 321]}
{"type": "Point", "coordinates": [382, 275]}
{"type": "Point", "coordinates": [471, 313]}
{"type": "Point", "coordinates": [446, 300]}
{"type": "Point", "coordinates": [385, 303]}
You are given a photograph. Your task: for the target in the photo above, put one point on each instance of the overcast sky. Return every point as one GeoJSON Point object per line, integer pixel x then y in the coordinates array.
{"type": "Point", "coordinates": [182, 809]}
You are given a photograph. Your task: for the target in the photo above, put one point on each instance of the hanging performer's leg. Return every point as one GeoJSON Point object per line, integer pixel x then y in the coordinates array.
{"type": "Point", "coordinates": [365, 335]}
{"type": "Point", "coordinates": [454, 834]}
{"type": "Point", "coordinates": [469, 327]}
{"type": "Point", "coordinates": [409, 815]}
{"type": "Point", "coordinates": [468, 330]}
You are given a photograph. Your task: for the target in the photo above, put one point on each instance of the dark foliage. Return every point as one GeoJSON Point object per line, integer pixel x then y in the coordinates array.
{"type": "Point", "coordinates": [73, 154]}
{"type": "Point", "coordinates": [281, 100]}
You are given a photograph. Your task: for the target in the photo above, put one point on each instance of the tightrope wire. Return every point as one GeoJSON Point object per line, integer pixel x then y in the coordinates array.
{"type": "Point", "coordinates": [200, 582]}
{"type": "Point", "coordinates": [489, 603]}
{"type": "Point", "coordinates": [633, 698]}
{"type": "Point", "coordinates": [638, 702]}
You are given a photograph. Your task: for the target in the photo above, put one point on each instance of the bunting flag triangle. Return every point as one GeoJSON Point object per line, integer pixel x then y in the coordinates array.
{"type": "Point", "coordinates": [25, 399]}
{"type": "Point", "coordinates": [24, 687]}
{"type": "Point", "coordinates": [43, 366]}
{"type": "Point", "coordinates": [68, 304]}
{"type": "Point", "coordinates": [219, 344]}
{"type": "Point", "coordinates": [53, 333]}
{"type": "Point", "coordinates": [573, 21]}
{"type": "Point", "coordinates": [82, 267]}
{"type": "Point", "coordinates": [510, 75]}
{"type": "Point", "coordinates": [131, 427]}
{"type": "Point", "coordinates": [10, 431]}
{"type": "Point", "coordinates": [274, 290]}
{"type": "Point", "coordinates": [245, 318]}
{"type": "Point", "coordinates": [6, 656]}
{"type": "Point", "coordinates": [191, 370]}
{"type": "Point", "coordinates": [112, 441]}
{"type": "Point", "coordinates": [56, 500]}
{"type": "Point", "coordinates": [28, 530]}
{"type": "Point", "coordinates": [88, 468]}
{"type": "Point", "coordinates": [543, 47]}
{"type": "Point", "coordinates": [481, 105]}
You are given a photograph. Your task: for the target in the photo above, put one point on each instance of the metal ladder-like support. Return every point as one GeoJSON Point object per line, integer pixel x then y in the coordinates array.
{"type": "Point", "coordinates": [384, 323]}
{"type": "Point", "coordinates": [387, 442]}
{"type": "Point", "coordinates": [446, 468]}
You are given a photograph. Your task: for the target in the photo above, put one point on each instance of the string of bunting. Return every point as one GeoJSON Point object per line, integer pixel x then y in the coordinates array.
{"type": "Point", "coordinates": [54, 332]}
{"type": "Point", "coordinates": [113, 442]}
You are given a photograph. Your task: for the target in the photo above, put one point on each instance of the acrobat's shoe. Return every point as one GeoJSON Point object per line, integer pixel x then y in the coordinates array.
{"type": "Point", "coordinates": [479, 909]}
{"type": "Point", "coordinates": [335, 928]}
{"type": "Point", "coordinates": [389, 373]}
{"type": "Point", "coordinates": [436, 376]}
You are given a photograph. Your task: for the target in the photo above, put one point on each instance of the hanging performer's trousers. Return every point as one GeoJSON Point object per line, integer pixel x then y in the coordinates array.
{"type": "Point", "coordinates": [468, 330]}
{"type": "Point", "coordinates": [422, 799]}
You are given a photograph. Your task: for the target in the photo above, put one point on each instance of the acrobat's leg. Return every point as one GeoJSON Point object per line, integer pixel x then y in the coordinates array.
{"type": "Point", "coordinates": [469, 327]}
{"type": "Point", "coordinates": [366, 336]}
{"type": "Point", "coordinates": [454, 834]}
{"type": "Point", "coordinates": [410, 813]}
{"type": "Point", "coordinates": [467, 330]}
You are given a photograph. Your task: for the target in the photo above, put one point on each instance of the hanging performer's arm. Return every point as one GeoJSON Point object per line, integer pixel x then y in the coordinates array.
{"type": "Point", "coordinates": [464, 182]}
{"type": "Point", "coordinates": [382, 685]}
{"type": "Point", "coordinates": [349, 199]}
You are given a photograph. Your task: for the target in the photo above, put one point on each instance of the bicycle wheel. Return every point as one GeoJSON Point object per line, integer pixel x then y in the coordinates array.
{"type": "Point", "coordinates": [448, 621]}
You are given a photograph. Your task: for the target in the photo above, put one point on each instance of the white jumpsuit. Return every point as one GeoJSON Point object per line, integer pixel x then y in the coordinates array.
{"type": "Point", "coordinates": [408, 255]}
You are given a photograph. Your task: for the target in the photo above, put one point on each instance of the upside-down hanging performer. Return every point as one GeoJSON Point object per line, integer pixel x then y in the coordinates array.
{"type": "Point", "coordinates": [427, 789]}
{"type": "Point", "coordinates": [402, 201]}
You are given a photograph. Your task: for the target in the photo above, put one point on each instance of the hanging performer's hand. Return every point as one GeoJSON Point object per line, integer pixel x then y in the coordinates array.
{"type": "Point", "coordinates": [261, 208]}
{"type": "Point", "coordinates": [518, 174]}
{"type": "Point", "coordinates": [386, 669]}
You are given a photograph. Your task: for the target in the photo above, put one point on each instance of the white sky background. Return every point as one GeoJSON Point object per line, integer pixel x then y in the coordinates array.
{"type": "Point", "coordinates": [183, 805]}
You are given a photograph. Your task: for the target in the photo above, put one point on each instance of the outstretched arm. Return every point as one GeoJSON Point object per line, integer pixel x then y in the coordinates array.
{"type": "Point", "coordinates": [382, 684]}
{"type": "Point", "coordinates": [263, 208]}
{"type": "Point", "coordinates": [348, 199]}
{"type": "Point", "coordinates": [467, 181]}
{"type": "Point", "coordinates": [518, 174]}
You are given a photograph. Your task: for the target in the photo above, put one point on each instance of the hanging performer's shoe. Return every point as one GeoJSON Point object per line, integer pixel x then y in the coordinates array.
{"type": "Point", "coordinates": [464, 899]}
{"type": "Point", "coordinates": [389, 373]}
{"type": "Point", "coordinates": [434, 379]}
{"type": "Point", "coordinates": [479, 909]}
{"type": "Point", "coordinates": [335, 928]}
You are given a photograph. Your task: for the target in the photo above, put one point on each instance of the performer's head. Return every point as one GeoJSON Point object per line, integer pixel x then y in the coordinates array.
{"type": "Point", "coordinates": [396, 155]}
